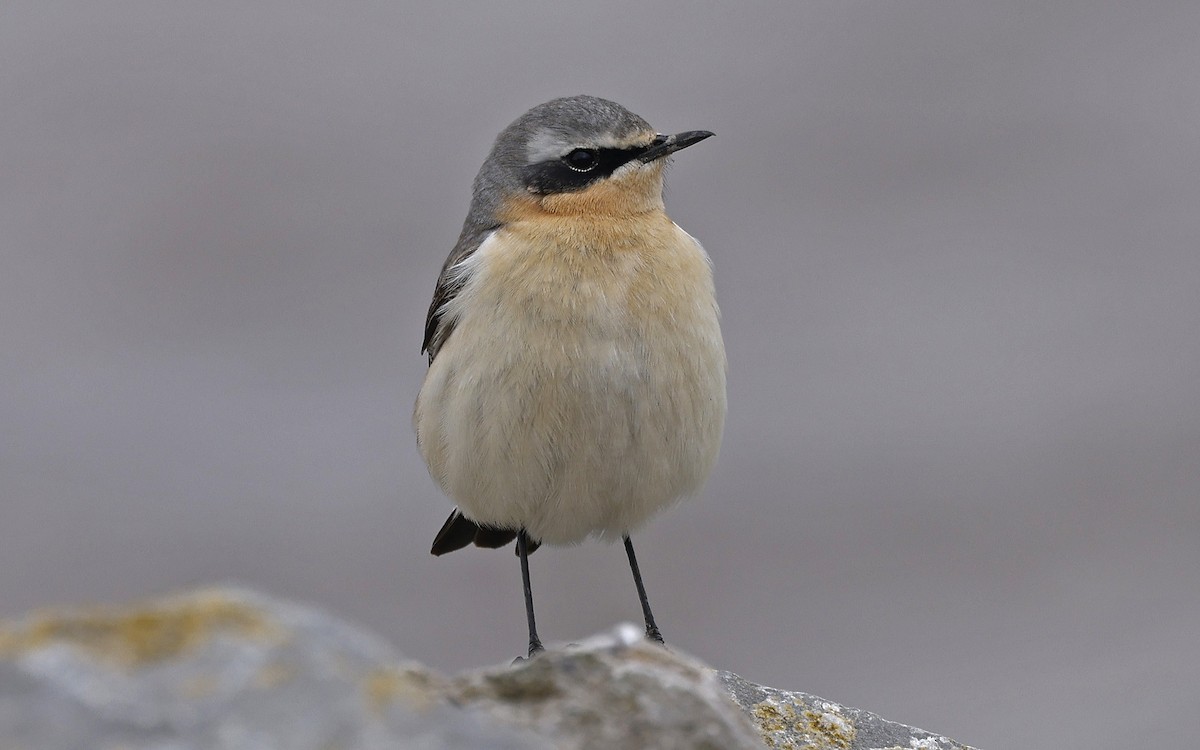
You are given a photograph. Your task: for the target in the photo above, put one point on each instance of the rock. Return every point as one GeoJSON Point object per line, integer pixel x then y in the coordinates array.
{"type": "Point", "coordinates": [613, 691]}
{"type": "Point", "coordinates": [229, 668]}
{"type": "Point", "coordinates": [222, 668]}
{"type": "Point", "coordinates": [799, 721]}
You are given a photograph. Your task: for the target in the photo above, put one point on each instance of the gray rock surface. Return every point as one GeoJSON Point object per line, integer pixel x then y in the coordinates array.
{"type": "Point", "coordinates": [229, 668]}
{"type": "Point", "coordinates": [790, 720]}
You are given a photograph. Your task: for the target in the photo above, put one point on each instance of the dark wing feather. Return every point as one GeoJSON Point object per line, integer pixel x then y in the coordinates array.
{"type": "Point", "coordinates": [437, 326]}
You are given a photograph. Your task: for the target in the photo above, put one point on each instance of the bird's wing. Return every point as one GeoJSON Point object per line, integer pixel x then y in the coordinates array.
{"type": "Point", "coordinates": [438, 325]}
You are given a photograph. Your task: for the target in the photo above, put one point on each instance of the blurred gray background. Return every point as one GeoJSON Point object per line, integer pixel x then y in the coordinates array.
{"type": "Point", "coordinates": [958, 252]}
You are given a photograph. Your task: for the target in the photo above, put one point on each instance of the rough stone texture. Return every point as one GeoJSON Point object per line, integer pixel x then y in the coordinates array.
{"type": "Point", "coordinates": [222, 668]}
{"type": "Point", "coordinates": [798, 721]}
{"type": "Point", "coordinates": [228, 668]}
{"type": "Point", "coordinates": [613, 691]}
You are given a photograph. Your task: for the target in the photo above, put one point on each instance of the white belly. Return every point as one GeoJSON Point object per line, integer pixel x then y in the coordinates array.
{"type": "Point", "coordinates": [576, 397]}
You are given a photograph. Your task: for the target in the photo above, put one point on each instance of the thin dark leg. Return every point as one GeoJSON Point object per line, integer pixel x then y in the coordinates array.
{"type": "Point", "coordinates": [535, 643]}
{"type": "Point", "coordinates": [651, 629]}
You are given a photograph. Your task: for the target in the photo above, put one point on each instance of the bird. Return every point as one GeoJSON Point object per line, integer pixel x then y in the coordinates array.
{"type": "Point", "coordinates": [577, 372]}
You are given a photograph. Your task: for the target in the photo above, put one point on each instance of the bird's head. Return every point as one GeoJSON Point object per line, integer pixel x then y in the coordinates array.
{"type": "Point", "coordinates": [579, 155]}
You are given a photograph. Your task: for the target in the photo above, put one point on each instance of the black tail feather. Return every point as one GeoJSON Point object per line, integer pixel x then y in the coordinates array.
{"type": "Point", "coordinates": [459, 531]}
{"type": "Point", "coordinates": [491, 538]}
{"type": "Point", "coordinates": [456, 533]}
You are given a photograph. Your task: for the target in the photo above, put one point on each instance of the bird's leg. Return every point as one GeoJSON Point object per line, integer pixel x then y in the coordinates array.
{"type": "Point", "coordinates": [535, 643]}
{"type": "Point", "coordinates": [652, 631]}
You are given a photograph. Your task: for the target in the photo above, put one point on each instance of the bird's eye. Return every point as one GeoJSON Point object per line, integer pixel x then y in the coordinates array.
{"type": "Point", "coordinates": [581, 160]}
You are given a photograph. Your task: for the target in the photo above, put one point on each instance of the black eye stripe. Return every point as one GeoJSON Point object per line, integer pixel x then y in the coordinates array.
{"type": "Point", "coordinates": [562, 176]}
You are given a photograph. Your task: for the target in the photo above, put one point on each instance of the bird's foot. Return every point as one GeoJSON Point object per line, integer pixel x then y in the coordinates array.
{"type": "Point", "coordinates": [652, 634]}
{"type": "Point", "coordinates": [535, 648]}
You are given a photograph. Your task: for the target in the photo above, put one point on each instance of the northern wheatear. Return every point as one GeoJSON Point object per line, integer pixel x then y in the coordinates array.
{"type": "Point", "coordinates": [576, 381]}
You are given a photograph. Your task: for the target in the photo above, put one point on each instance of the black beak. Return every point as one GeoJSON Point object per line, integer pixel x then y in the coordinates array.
{"type": "Point", "coordinates": [665, 145]}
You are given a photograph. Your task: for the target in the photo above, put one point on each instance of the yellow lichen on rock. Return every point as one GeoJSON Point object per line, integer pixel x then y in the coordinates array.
{"type": "Point", "coordinates": [829, 724]}
{"type": "Point", "coordinates": [773, 722]}
{"type": "Point", "coordinates": [273, 675]}
{"type": "Point", "coordinates": [131, 637]}
{"type": "Point", "coordinates": [387, 685]}
{"type": "Point", "coordinates": [781, 726]}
